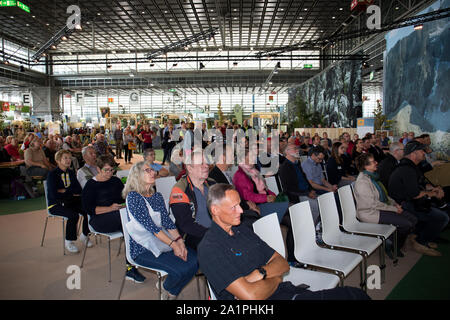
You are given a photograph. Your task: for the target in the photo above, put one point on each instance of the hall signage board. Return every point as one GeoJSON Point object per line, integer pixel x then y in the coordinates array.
{"type": "Point", "coordinates": [307, 66]}
{"type": "Point", "coordinates": [15, 3]}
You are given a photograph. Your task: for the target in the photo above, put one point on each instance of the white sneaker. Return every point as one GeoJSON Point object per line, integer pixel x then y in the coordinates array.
{"type": "Point", "coordinates": [83, 241]}
{"type": "Point", "coordinates": [71, 247]}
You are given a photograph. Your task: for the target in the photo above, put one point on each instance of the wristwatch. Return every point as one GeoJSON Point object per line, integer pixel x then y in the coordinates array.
{"type": "Point", "coordinates": [263, 272]}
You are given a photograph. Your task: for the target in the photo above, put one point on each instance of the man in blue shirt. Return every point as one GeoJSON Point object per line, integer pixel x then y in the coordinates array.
{"type": "Point", "coordinates": [239, 265]}
{"type": "Point", "coordinates": [314, 172]}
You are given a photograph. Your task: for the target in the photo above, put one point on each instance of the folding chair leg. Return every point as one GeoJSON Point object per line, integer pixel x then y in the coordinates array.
{"type": "Point", "coordinates": [160, 284]}
{"type": "Point", "coordinates": [109, 257]}
{"type": "Point", "coordinates": [63, 238]}
{"type": "Point", "coordinates": [363, 270]}
{"type": "Point", "coordinates": [382, 259]}
{"type": "Point", "coordinates": [395, 247]}
{"type": "Point", "coordinates": [198, 287]}
{"type": "Point", "coordinates": [123, 283]}
{"type": "Point", "coordinates": [120, 246]}
{"type": "Point", "coordinates": [85, 249]}
{"type": "Point", "coordinates": [45, 228]}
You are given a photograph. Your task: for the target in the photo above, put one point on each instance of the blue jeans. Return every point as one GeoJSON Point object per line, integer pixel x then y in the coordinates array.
{"type": "Point", "coordinates": [270, 207]}
{"type": "Point", "coordinates": [430, 223]}
{"type": "Point", "coordinates": [179, 272]}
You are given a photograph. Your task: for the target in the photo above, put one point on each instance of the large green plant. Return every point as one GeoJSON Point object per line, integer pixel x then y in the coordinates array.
{"type": "Point", "coordinates": [381, 121]}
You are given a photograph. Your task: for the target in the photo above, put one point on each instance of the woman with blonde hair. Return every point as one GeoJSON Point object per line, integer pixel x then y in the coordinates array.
{"type": "Point", "coordinates": [154, 239]}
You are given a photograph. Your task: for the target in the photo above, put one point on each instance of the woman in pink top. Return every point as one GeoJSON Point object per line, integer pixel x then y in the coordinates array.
{"type": "Point", "coordinates": [251, 186]}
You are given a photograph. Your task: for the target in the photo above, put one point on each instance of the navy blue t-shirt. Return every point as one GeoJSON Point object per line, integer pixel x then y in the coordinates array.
{"type": "Point", "coordinates": [224, 258]}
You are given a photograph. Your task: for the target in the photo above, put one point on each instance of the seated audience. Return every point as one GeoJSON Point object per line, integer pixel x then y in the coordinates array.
{"type": "Point", "coordinates": [239, 265]}
{"type": "Point", "coordinates": [326, 147]}
{"type": "Point", "coordinates": [50, 151]}
{"type": "Point", "coordinates": [102, 200]}
{"type": "Point", "coordinates": [314, 173]}
{"type": "Point", "coordinates": [221, 173]}
{"type": "Point", "coordinates": [251, 185]}
{"type": "Point", "coordinates": [63, 196]}
{"type": "Point", "coordinates": [325, 137]}
{"type": "Point", "coordinates": [336, 166]}
{"type": "Point", "coordinates": [408, 187]}
{"type": "Point", "coordinates": [188, 200]}
{"type": "Point", "coordinates": [295, 183]}
{"type": "Point", "coordinates": [13, 149]}
{"type": "Point", "coordinates": [358, 149]}
{"type": "Point", "coordinates": [350, 143]}
{"type": "Point", "coordinates": [374, 204]}
{"type": "Point", "coordinates": [90, 169]}
{"type": "Point", "coordinates": [35, 160]}
{"type": "Point", "coordinates": [101, 146]}
{"type": "Point", "coordinates": [385, 140]}
{"type": "Point", "coordinates": [375, 150]}
{"type": "Point", "coordinates": [147, 209]}
{"type": "Point", "coordinates": [388, 164]}
{"type": "Point", "coordinates": [149, 157]}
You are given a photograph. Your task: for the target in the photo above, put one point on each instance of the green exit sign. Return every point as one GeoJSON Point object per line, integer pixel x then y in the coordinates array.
{"type": "Point", "coordinates": [9, 3]}
{"type": "Point", "coordinates": [307, 66]}
{"type": "Point", "coordinates": [172, 90]}
{"type": "Point", "coordinates": [14, 3]}
{"type": "Point", "coordinates": [23, 6]}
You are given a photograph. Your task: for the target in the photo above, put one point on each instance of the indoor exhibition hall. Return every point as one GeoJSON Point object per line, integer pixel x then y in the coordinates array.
{"type": "Point", "coordinates": [199, 150]}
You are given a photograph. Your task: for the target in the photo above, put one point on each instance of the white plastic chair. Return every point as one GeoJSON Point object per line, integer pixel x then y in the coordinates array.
{"type": "Point", "coordinates": [110, 236]}
{"type": "Point", "coordinates": [272, 184]}
{"type": "Point", "coordinates": [332, 236]}
{"type": "Point", "coordinates": [268, 229]}
{"type": "Point", "coordinates": [164, 186]}
{"type": "Point", "coordinates": [308, 253]}
{"type": "Point", "coordinates": [126, 237]}
{"type": "Point", "coordinates": [122, 173]}
{"type": "Point", "coordinates": [211, 292]}
{"type": "Point", "coordinates": [352, 225]}
{"type": "Point", "coordinates": [49, 215]}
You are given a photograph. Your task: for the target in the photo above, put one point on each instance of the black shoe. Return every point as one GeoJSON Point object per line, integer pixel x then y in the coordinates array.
{"type": "Point", "coordinates": [134, 275]}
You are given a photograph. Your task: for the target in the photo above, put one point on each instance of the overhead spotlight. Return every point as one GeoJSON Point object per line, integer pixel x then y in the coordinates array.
{"type": "Point", "coordinates": [175, 64]}
{"type": "Point", "coordinates": [152, 64]}
{"type": "Point", "coordinates": [235, 63]}
{"type": "Point", "coordinates": [78, 26]}
{"type": "Point", "coordinates": [64, 38]}
{"type": "Point", "coordinates": [109, 66]}
{"type": "Point", "coordinates": [53, 47]}
{"type": "Point", "coordinates": [278, 64]}
{"type": "Point", "coordinates": [365, 65]}
{"type": "Point", "coordinates": [201, 66]}
{"type": "Point", "coordinates": [418, 27]}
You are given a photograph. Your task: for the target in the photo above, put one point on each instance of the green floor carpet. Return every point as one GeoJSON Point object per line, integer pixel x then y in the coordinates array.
{"type": "Point", "coordinates": [19, 206]}
{"type": "Point", "coordinates": [429, 279]}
